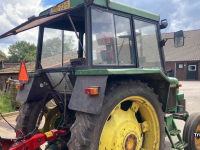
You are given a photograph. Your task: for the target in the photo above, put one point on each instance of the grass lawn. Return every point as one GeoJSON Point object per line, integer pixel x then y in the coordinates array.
{"type": "Point", "coordinates": [5, 104]}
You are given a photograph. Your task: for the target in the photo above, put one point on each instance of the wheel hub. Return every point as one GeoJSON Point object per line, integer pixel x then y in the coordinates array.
{"type": "Point", "coordinates": [131, 142]}
{"type": "Point", "coordinates": [123, 130]}
{"type": "Point", "coordinates": [51, 115]}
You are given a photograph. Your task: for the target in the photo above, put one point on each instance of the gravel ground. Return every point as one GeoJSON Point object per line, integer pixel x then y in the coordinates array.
{"type": "Point", "coordinates": [191, 89]}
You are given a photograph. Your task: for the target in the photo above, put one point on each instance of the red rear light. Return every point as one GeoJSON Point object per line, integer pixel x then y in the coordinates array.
{"type": "Point", "coordinates": [92, 91]}
{"type": "Point", "coordinates": [23, 75]}
{"type": "Point", "coordinates": [20, 86]}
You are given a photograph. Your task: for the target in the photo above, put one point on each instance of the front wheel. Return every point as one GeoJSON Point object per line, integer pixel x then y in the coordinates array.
{"type": "Point", "coordinates": [131, 119]}
{"type": "Point", "coordinates": [192, 126]}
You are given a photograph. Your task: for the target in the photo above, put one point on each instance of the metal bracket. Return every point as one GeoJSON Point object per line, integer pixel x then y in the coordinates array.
{"type": "Point", "coordinates": [89, 2]}
{"type": "Point", "coordinates": [108, 3]}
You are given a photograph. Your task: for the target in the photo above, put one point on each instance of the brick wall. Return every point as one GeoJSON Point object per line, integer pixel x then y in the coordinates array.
{"type": "Point", "coordinates": [5, 76]}
{"type": "Point", "coordinates": [10, 65]}
{"type": "Point", "coordinates": [170, 65]}
{"type": "Point", "coordinates": [198, 70]}
{"type": "Point", "coordinates": [181, 74]}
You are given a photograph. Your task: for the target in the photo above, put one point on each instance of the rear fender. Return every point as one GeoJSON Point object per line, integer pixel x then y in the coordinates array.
{"type": "Point", "coordinates": [86, 103]}
{"type": "Point", "coordinates": [35, 90]}
{"type": "Point", "coordinates": [156, 80]}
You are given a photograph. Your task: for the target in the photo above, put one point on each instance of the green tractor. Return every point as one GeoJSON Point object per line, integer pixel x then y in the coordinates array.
{"type": "Point", "coordinates": [101, 65]}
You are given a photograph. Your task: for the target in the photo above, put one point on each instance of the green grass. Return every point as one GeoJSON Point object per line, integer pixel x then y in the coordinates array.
{"type": "Point", "coordinates": [5, 104]}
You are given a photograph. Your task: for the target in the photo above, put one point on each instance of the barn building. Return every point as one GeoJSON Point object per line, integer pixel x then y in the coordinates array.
{"type": "Point", "coordinates": [183, 61]}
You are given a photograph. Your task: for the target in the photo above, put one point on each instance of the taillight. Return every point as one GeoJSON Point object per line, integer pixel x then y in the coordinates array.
{"type": "Point", "coordinates": [92, 91]}
{"type": "Point", "coordinates": [20, 86]}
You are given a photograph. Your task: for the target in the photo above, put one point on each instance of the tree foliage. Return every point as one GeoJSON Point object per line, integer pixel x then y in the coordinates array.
{"type": "Point", "coordinates": [2, 53]}
{"type": "Point", "coordinates": [22, 51]}
{"type": "Point", "coordinates": [53, 46]}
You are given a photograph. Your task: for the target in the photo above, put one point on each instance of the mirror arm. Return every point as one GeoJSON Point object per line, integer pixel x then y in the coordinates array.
{"type": "Point", "coordinates": [168, 71]}
{"type": "Point", "coordinates": [162, 43]}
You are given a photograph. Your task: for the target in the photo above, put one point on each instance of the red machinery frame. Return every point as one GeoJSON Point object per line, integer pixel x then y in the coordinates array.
{"type": "Point", "coordinates": [32, 143]}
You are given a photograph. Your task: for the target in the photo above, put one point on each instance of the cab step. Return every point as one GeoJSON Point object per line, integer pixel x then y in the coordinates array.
{"type": "Point", "coordinates": [171, 130]}
{"type": "Point", "coordinates": [181, 145]}
{"type": "Point", "coordinates": [174, 132]}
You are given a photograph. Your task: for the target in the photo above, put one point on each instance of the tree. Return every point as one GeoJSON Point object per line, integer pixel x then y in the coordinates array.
{"type": "Point", "coordinates": [53, 46]}
{"type": "Point", "coordinates": [2, 53]}
{"type": "Point", "coordinates": [22, 51]}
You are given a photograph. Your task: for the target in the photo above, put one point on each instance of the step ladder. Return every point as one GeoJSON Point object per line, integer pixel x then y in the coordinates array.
{"type": "Point", "coordinates": [171, 130]}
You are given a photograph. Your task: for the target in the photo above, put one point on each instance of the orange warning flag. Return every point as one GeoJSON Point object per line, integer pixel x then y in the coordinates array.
{"type": "Point", "coordinates": [23, 75]}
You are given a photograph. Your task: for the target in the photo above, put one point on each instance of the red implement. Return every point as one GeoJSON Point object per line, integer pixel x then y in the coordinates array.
{"type": "Point", "coordinates": [34, 142]}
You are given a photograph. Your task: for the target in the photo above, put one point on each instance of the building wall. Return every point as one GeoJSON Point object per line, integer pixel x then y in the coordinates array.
{"type": "Point", "coordinates": [181, 74]}
{"type": "Point", "coordinates": [5, 76]}
{"type": "Point", "coordinates": [10, 65]}
{"type": "Point", "coordinates": [199, 70]}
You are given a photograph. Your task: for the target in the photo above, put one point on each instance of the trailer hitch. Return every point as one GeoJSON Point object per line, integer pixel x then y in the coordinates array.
{"type": "Point", "coordinates": [32, 143]}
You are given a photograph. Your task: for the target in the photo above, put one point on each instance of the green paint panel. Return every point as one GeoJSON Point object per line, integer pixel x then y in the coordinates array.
{"type": "Point", "coordinates": [128, 9]}
{"type": "Point", "coordinates": [180, 96]}
{"type": "Point", "coordinates": [92, 72]}
{"type": "Point", "coordinates": [33, 74]}
{"type": "Point", "coordinates": [134, 11]}
{"type": "Point", "coordinates": [121, 72]}
{"type": "Point", "coordinates": [173, 80]}
{"type": "Point", "coordinates": [75, 3]}
{"type": "Point", "coordinates": [46, 12]}
{"type": "Point", "coordinates": [114, 6]}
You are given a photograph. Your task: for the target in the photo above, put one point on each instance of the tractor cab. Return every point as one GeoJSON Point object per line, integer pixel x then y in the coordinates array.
{"type": "Point", "coordinates": [79, 35]}
{"type": "Point", "coordinates": [102, 64]}
{"type": "Point", "coordinates": [94, 35]}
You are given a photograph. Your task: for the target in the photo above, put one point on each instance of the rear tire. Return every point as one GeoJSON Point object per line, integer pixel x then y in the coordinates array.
{"type": "Point", "coordinates": [28, 116]}
{"type": "Point", "coordinates": [87, 130]}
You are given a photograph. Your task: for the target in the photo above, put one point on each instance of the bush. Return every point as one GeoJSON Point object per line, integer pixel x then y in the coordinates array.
{"type": "Point", "coordinates": [5, 103]}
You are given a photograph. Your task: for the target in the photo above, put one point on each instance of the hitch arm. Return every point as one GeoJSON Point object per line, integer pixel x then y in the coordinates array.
{"type": "Point", "coordinates": [32, 143]}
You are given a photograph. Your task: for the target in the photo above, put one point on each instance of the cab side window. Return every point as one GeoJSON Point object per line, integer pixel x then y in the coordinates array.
{"type": "Point", "coordinates": [111, 39]}
{"type": "Point", "coordinates": [124, 40]}
{"type": "Point", "coordinates": [147, 45]}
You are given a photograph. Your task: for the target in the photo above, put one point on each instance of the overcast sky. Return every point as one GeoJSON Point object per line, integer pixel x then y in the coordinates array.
{"type": "Point", "coordinates": [181, 15]}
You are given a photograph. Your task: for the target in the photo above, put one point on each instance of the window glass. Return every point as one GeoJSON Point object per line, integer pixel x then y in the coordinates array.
{"type": "Point", "coordinates": [103, 38]}
{"type": "Point", "coordinates": [124, 40]}
{"type": "Point", "coordinates": [192, 67]}
{"type": "Point", "coordinates": [147, 44]}
{"type": "Point", "coordinates": [52, 48]}
{"type": "Point", "coordinates": [70, 47]}
{"type": "Point", "coordinates": [180, 66]}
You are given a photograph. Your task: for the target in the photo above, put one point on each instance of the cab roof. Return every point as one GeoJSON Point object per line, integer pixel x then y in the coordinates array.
{"type": "Point", "coordinates": [114, 6]}
{"type": "Point", "coordinates": [61, 9]}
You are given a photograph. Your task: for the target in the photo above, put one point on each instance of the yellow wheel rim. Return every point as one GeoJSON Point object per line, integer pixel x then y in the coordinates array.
{"type": "Point", "coordinates": [197, 140]}
{"type": "Point", "coordinates": [123, 130]}
{"type": "Point", "coordinates": [50, 117]}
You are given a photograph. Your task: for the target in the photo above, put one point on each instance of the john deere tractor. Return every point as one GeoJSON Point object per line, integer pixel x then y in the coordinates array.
{"type": "Point", "coordinates": [100, 82]}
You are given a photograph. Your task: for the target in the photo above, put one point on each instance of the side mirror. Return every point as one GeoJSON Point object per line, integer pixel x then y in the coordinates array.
{"type": "Point", "coordinates": [179, 39]}
{"type": "Point", "coordinates": [163, 24]}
